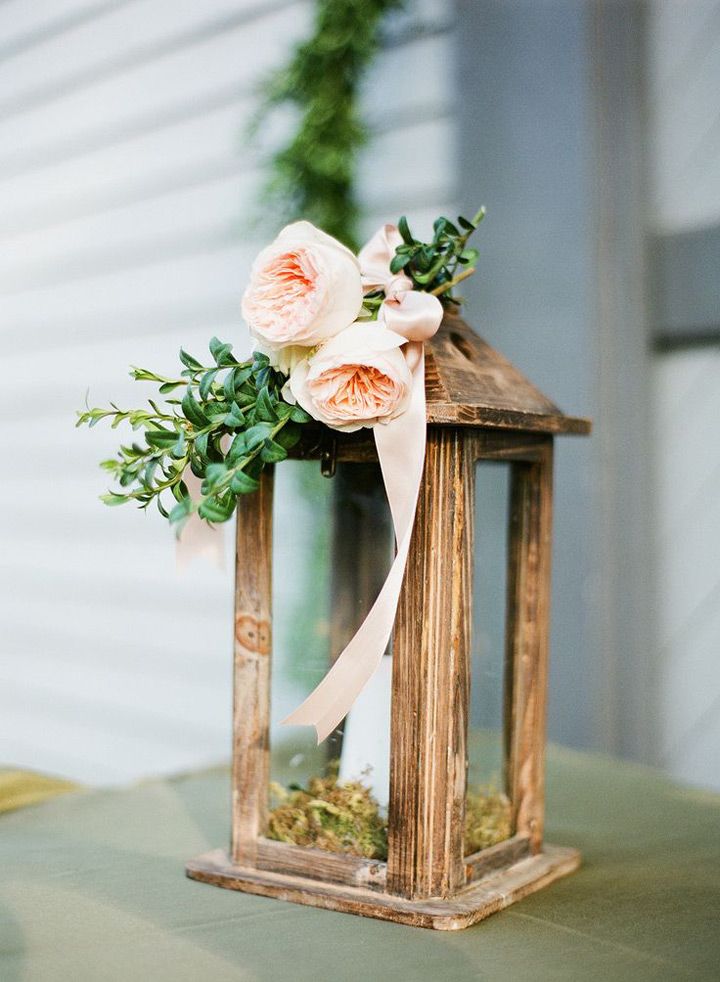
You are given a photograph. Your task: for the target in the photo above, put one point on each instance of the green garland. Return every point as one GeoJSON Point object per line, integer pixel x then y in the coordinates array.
{"type": "Point", "coordinates": [313, 175]}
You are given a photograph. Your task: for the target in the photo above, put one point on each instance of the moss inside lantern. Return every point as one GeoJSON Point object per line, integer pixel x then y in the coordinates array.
{"type": "Point", "coordinates": [345, 817]}
{"type": "Point", "coordinates": [487, 818]}
{"type": "Point", "coordinates": [330, 815]}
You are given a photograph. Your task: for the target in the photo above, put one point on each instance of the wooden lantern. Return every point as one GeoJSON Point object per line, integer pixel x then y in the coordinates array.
{"type": "Point", "coordinates": [479, 407]}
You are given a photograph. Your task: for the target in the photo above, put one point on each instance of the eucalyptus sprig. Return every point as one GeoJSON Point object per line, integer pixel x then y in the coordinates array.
{"type": "Point", "coordinates": [230, 421]}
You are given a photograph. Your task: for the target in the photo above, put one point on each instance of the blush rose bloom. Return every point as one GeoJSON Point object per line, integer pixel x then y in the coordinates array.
{"type": "Point", "coordinates": [359, 378]}
{"type": "Point", "coordinates": [304, 288]}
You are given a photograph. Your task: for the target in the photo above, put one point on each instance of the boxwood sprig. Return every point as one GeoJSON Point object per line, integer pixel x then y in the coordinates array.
{"type": "Point", "coordinates": [224, 422]}
{"type": "Point", "coordinates": [437, 266]}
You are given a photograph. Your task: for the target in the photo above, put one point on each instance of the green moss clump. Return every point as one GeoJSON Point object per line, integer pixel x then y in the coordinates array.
{"type": "Point", "coordinates": [487, 819]}
{"type": "Point", "coordinates": [337, 817]}
{"type": "Point", "coordinates": [345, 817]}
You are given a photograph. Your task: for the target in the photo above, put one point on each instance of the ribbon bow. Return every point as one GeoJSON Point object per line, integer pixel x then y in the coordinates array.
{"type": "Point", "coordinates": [400, 447]}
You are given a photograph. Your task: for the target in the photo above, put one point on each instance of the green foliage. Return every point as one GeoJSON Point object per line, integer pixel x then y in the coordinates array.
{"type": "Point", "coordinates": [313, 175]}
{"type": "Point", "coordinates": [240, 401]}
{"type": "Point", "coordinates": [438, 266]}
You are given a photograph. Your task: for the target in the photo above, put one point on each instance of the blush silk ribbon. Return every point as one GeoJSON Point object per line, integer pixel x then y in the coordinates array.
{"type": "Point", "coordinates": [400, 447]}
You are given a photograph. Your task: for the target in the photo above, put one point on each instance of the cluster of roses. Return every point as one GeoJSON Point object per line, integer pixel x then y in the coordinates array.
{"type": "Point", "coordinates": [348, 362]}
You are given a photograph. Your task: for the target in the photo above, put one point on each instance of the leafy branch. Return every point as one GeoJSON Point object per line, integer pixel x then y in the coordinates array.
{"type": "Point", "coordinates": [230, 421]}
{"type": "Point", "coordinates": [438, 266]}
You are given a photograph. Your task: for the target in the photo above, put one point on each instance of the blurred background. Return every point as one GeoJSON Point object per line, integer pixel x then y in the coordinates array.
{"type": "Point", "coordinates": [128, 190]}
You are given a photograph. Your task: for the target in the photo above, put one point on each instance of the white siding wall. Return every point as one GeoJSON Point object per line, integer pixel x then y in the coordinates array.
{"type": "Point", "coordinates": [125, 192]}
{"type": "Point", "coordinates": [684, 84]}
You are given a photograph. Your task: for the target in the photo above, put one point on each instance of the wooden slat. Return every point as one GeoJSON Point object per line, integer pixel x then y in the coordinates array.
{"type": "Point", "coordinates": [527, 631]}
{"type": "Point", "coordinates": [317, 864]}
{"type": "Point", "coordinates": [251, 704]}
{"type": "Point", "coordinates": [431, 653]}
{"type": "Point", "coordinates": [479, 900]}
{"type": "Point", "coordinates": [496, 857]}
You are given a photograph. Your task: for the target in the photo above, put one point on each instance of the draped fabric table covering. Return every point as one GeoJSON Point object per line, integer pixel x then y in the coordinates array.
{"type": "Point", "coordinates": [93, 890]}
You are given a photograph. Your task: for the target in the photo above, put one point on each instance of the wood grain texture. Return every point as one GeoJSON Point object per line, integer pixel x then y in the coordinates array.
{"type": "Point", "coordinates": [527, 638]}
{"type": "Point", "coordinates": [428, 754]}
{"type": "Point", "coordinates": [468, 382]}
{"type": "Point", "coordinates": [472, 904]}
{"type": "Point", "coordinates": [499, 856]}
{"type": "Point", "coordinates": [318, 864]}
{"type": "Point", "coordinates": [251, 685]}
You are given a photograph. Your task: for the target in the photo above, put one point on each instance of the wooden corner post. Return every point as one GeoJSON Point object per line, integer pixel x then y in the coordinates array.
{"type": "Point", "coordinates": [527, 640]}
{"type": "Point", "coordinates": [251, 685]}
{"type": "Point", "coordinates": [431, 652]}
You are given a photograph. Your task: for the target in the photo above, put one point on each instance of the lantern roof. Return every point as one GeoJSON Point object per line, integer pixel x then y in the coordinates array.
{"type": "Point", "coordinates": [468, 383]}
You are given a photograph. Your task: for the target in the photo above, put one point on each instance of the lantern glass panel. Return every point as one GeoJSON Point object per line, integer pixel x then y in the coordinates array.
{"type": "Point", "coordinates": [332, 548]}
{"type": "Point", "coordinates": [487, 804]}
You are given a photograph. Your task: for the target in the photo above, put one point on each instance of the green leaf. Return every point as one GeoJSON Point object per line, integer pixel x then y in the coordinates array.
{"type": "Point", "coordinates": [221, 352]}
{"type": "Point", "coordinates": [213, 474]}
{"type": "Point", "coordinates": [217, 509]}
{"type": "Point", "coordinates": [272, 453]}
{"type": "Point", "coordinates": [189, 361]}
{"type": "Point", "coordinates": [201, 445]}
{"type": "Point", "coordinates": [298, 415]}
{"type": "Point", "coordinates": [206, 382]}
{"type": "Point", "coordinates": [192, 410]}
{"type": "Point", "coordinates": [404, 230]}
{"type": "Point", "coordinates": [113, 499]}
{"type": "Point", "coordinates": [161, 438]}
{"type": "Point", "coordinates": [167, 387]}
{"type": "Point", "coordinates": [178, 451]}
{"type": "Point", "coordinates": [181, 512]}
{"type": "Point", "coordinates": [257, 435]}
{"type": "Point", "coordinates": [264, 407]}
{"type": "Point", "coordinates": [289, 435]}
{"type": "Point", "coordinates": [213, 410]}
{"type": "Point", "coordinates": [242, 483]}
{"type": "Point", "coordinates": [282, 409]}
{"type": "Point", "coordinates": [235, 418]}
{"type": "Point", "coordinates": [398, 263]}
{"type": "Point", "coordinates": [238, 449]}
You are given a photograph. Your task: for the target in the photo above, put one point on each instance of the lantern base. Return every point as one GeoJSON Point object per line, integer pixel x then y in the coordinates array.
{"type": "Point", "coordinates": [475, 902]}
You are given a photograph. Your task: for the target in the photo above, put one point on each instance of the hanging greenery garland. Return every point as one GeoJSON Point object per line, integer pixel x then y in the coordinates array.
{"type": "Point", "coordinates": [313, 175]}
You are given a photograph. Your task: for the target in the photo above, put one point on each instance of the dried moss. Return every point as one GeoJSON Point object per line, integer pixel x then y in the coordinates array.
{"type": "Point", "coordinates": [345, 817]}
{"type": "Point", "coordinates": [338, 817]}
{"type": "Point", "coordinates": [487, 819]}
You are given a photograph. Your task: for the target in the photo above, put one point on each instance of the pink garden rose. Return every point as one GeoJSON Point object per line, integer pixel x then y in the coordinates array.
{"type": "Point", "coordinates": [304, 288]}
{"type": "Point", "coordinates": [359, 378]}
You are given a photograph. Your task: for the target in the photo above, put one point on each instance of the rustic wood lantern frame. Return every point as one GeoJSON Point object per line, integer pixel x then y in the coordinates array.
{"type": "Point", "coordinates": [479, 408]}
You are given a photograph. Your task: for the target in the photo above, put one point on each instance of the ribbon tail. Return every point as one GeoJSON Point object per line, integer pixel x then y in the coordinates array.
{"type": "Point", "coordinates": [401, 451]}
{"type": "Point", "coordinates": [197, 537]}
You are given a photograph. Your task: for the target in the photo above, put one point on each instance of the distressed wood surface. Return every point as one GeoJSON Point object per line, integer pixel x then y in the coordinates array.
{"type": "Point", "coordinates": [431, 650]}
{"type": "Point", "coordinates": [470, 905]}
{"type": "Point", "coordinates": [318, 864]}
{"type": "Point", "coordinates": [527, 635]}
{"type": "Point", "coordinates": [468, 382]}
{"type": "Point", "coordinates": [251, 678]}
{"type": "Point", "coordinates": [499, 856]}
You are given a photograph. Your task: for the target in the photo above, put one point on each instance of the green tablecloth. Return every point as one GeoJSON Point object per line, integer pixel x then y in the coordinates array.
{"type": "Point", "coordinates": [92, 890]}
